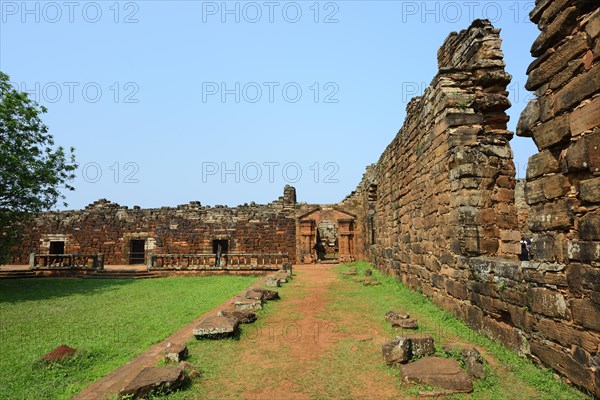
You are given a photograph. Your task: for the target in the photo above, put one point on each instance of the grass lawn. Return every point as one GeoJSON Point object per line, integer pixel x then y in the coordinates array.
{"type": "Point", "coordinates": [108, 320]}
{"type": "Point", "coordinates": [510, 376]}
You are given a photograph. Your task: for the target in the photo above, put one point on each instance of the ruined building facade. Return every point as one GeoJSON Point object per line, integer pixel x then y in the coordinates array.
{"type": "Point", "coordinates": [438, 209]}
{"type": "Point", "coordinates": [129, 236]}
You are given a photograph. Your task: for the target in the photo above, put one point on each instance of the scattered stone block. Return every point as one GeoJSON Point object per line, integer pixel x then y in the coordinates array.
{"type": "Point", "coordinates": [409, 323]}
{"type": "Point", "coordinates": [470, 356]}
{"type": "Point", "coordinates": [368, 272]}
{"type": "Point", "coordinates": [189, 369]}
{"type": "Point", "coordinates": [371, 282]}
{"type": "Point", "coordinates": [154, 380]}
{"type": "Point", "coordinates": [272, 282]}
{"type": "Point", "coordinates": [268, 295]}
{"type": "Point", "coordinates": [401, 320]}
{"type": "Point", "coordinates": [242, 316]}
{"type": "Point", "coordinates": [392, 315]}
{"type": "Point", "coordinates": [255, 295]}
{"type": "Point", "coordinates": [421, 344]}
{"type": "Point", "coordinates": [248, 304]}
{"type": "Point", "coordinates": [174, 353]}
{"type": "Point", "coordinates": [396, 352]}
{"type": "Point", "coordinates": [61, 352]}
{"type": "Point", "coordinates": [350, 272]}
{"type": "Point", "coordinates": [439, 372]}
{"type": "Point", "coordinates": [216, 327]}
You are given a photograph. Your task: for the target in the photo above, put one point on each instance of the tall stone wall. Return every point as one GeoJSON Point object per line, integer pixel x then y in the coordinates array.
{"type": "Point", "coordinates": [438, 209]}
{"type": "Point", "coordinates": [563, 189]}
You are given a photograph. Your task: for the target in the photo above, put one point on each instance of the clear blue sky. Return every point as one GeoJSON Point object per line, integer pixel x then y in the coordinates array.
{"type": "Point", "coordinates": [160, 96]}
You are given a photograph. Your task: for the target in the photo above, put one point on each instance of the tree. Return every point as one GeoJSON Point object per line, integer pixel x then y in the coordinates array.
{"type": "Point", "coordinates": [32, 169]}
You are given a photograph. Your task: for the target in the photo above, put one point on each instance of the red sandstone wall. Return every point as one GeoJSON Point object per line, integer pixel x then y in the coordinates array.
{"type": "Point", "coordinates": [438, 209]}
{"type": "Point", "coordinates": [563, 190]}
{"type": "Point", "coordinates": [105, 227]}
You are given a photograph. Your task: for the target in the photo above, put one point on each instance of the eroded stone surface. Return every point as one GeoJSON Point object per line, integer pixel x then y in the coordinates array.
{"type": "Point", "coordinates": [248, 304]}
{"type": "Point", "coordinates": [174, 353]}
{"type": "Point", "coordinates": [273, 282]}
{"type": "Point", "coordinates": [154, 380]}
{"type": "Point", "coordinates": [409, 323]}
{"type": "Point", "coordinates": [421, 344]}
{"type": "Point", "coordinates": [215, 327]}
{"type": "Point", "coordinates": [440, 372]}
{"type": "Point", "coordinates": [393, 315]}
{"type": "Point", "coordinates": [396, 351]}
{"type": "Point", "coordinates": [269, 295]}
{"type": "Point", "coordinates": [255, 295]}
{"type": "Point", "coordinates": [242, 316]}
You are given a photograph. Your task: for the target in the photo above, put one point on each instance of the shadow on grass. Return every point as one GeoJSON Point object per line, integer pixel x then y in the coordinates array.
{"type": "Point", "coordinates": [21, 290]}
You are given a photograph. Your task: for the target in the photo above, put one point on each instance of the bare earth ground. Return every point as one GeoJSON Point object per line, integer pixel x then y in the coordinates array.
{"type": "Point", "coordinates": [320, 341]}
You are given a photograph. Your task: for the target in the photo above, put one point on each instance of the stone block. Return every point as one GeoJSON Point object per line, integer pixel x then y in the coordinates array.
{"type": "Point", "coordinates": [547, 302]}
{"type": "Point", "coordinates": [420, 344]}
{"type": "Point", "coordinates": [592, 27]}
{"type": "Point", "coordinates": [589, 226]}
{"type": "Point", "coordinates": [551, 133]}
{"type": "Point", "coordinates": [555, 31]}
{"type": "Point", "coordinates": [457, 289]}
{"type": "Point", "coordinates": [541, 163]}
{"type": "Point", "coordinates": [586, 313]}
{"type": "Point", "coordinates": [529, 117]}
{"type": "Point", "coordinates": [174, 353]}
{"type": "Point", "coordinates": [216, 327]}
{"type": "Point", "coordinates": [563, 362]}
{"type": "Point", "coordinates": [248, 304]}
{"type": "Point", "coordinates": [583, 251]}
{"type": "Point", "coordinates": [585, 118]}
{"type": "Point", "coordinates": [589, 190]}
{"type": "Point", "coordinates": [273, 281]}
{"type": "Point", "coordinates": [154, 380]}
{"type": "Point", "coordinates": [242, 316]}
{"type": "Point", "coordinates": [396, 351]}
{"type": "Point", "coordinates": [534, 192]}
{"type": "Point", "coordinates": [556, 61]}
{"type": "Point", "coordinates": [566, 335]}
{"type": "Point", "coordinates": [254, 295]}
{"type": "Point", "coordinates": [551, 216]}
{"type": "Point", "coordinates": [577, 90]}
{"type": "Point", "coordinates": [439, 372]}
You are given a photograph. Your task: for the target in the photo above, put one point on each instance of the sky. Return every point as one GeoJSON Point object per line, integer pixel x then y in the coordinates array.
{"type": "Point", "coordinates": [168, 102]}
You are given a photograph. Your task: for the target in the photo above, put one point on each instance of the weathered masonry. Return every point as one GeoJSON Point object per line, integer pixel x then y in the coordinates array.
{"type": "Point", "coordinates": [438, 209]}
{"type": "Point", "coordinates": [192, 235]}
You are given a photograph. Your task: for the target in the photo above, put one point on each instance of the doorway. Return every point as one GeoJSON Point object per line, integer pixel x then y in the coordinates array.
{"type": "Point", "coordinates": [326, 246]}
{"type": "Point", "coordinates": [220, 248]}
{"type": "Point", "coordinates": [137, 253]}
{"type": "Point", "coordinates": [57, 247]}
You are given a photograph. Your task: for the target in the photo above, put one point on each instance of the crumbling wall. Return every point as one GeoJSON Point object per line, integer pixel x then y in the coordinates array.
{"type": "Point", "coordinates": [563, 189]}
{"type": "Point", "coordinates": [438, 208]}
{"type": "Point", "coordinates": [445, 184]}
{"type": "Point", "coordinates": [106, 227]}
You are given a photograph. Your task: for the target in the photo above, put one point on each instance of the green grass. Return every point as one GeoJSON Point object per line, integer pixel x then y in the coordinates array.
{"type": "Point", "coordinates": [108, 320]}
{"type": "Point", "coordinates": [444, 326]}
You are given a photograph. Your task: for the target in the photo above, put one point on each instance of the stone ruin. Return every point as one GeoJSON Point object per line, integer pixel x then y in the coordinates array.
{"type": "Point", "coordinates": [438, 210]}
